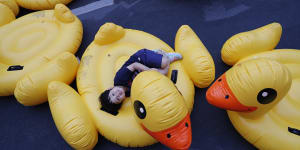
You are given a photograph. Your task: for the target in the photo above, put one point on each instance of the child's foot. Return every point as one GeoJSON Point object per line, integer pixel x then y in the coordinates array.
{"type": "Point", "coordinates": [174, 56]}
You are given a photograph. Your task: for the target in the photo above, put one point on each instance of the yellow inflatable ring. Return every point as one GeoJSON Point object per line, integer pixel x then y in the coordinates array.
{"type": "Point", "coordinates": [111, 47]}
{"type": "Point", "coordinates": [271, 102]}
{"type": "Point", "coordinates": [41, 4]}
{"type": "Point", "coordinates": [31, 42]}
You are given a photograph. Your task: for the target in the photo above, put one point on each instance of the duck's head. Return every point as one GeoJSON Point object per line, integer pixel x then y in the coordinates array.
{"type": "Point", "coordinates": [160, 110]}
{"type": "Point", "coordinates": [252, 86]}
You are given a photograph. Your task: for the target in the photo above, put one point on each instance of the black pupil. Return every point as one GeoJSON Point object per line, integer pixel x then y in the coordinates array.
{"type": "Point", "coordinates": [139, 109]}
{"type": "Point", "coordinates": [186, 124]}
{"type": "Point", "coordinates": [168, 135]}
{"type": "Point", "coordinates": [266, 96]}
{"type": "Point", "coordinates": [227, 96]}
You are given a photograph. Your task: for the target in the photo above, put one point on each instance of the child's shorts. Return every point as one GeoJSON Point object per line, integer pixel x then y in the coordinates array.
{"type": "Point", "coordinates": [149, 58]}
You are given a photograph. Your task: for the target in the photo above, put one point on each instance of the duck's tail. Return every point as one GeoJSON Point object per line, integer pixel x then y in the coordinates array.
{"type": "Point", "coordinates": [255, 41]}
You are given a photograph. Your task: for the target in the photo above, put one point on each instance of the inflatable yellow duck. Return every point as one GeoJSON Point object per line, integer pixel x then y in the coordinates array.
{"type": "Point", "coordinates": [261, 91]}
{"type": "Point", "coordinates": [8, 11]}
{"type": "Point", "coordinates": [158, 109]}
{"type": "Point", "coordinates": [36, 49]}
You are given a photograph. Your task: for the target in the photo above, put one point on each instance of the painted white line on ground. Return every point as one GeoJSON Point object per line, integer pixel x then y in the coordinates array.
{"type": "Point", "coordinates": [92, 6]}
{"type": "Point", "coordinates": [127, 6]}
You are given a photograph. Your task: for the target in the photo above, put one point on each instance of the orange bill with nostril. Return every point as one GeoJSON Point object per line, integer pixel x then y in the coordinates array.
{"type": "Point", "coordinates": [178, 137]}
{"type": "Point", "coordinates": [220, 95]}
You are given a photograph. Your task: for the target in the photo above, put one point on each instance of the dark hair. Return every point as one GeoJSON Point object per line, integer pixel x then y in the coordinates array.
{"type": "Point", "coordinates": [104, 96]}
{"type": "Point", "coordinates": [107, 105]}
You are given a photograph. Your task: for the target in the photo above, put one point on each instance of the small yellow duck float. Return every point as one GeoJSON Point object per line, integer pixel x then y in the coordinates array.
{"type": "Point", "coordinates": [8, 11]}
{"type": "Point", "coordinates": [36, 49]}
{"type": "Point", "coordinates": [261, 91]}
{"type": "Point", "coordinates": [158, 108]}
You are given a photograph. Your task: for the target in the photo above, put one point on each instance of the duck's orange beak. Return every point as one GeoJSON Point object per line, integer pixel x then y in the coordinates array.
{"type": "Point", "coordinates": [220, 95]}
{"type": "Point", "coordinates": [178, 137]}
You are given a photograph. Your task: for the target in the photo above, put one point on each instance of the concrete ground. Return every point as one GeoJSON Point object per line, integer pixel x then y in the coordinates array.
{"type": "Point", "coordinates": [213, 20]}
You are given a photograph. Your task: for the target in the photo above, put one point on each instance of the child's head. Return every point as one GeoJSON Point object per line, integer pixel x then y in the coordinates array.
{"type": "Point", "coordinates": [113, 95]}
{"type": "Point", "coordinates": [111, 100]}
{"type": "Point", "coordinates": [110, 104]}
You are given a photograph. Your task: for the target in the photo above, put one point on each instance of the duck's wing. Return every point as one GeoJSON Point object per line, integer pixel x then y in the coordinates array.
{"type": "Point", "coordinates": [32, 88]}
{"type": "Point", "coordinates": [71, 117]}
{"type": "Point", "coordinates": [197, 60]}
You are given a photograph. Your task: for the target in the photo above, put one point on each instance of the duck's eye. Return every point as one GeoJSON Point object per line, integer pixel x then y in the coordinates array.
{"type": "Point", "coordinates": [266, 96]}
{"type": "Point", "coordinates": [186, 124]}
{"type": "Point", "coordinates": [139, 109]}
{"type": "Point", "coordinates": [226, 96]}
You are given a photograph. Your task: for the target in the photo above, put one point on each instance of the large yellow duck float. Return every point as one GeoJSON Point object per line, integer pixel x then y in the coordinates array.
{"type": "Point", "coordinates": [36, 49]}
{"type": "Point", "coordinates": [261, 90]}
{"type": "Point", "coordinates": [158, 108]}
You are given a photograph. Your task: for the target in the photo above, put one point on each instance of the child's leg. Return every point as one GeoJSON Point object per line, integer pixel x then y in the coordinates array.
{"type": "Point", "coordinates": [172, 56]}
{"type": "Point", "coordinates": [159, 59]}
{"type": "Point", "coordinates": [163, 71]}
{"type": "Point", "coordinates": [158, 51]}
{"type": "Point", "coordinates": [165, 62]}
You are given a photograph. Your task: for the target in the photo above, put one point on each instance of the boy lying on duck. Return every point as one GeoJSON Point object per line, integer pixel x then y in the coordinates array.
{"type": "Point", "coordinates": [143, 60]}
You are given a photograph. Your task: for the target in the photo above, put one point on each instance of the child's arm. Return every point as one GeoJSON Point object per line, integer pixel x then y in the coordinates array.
{"type": "Point", "coordinates": [140, 67]}
{"type": "Point", "coordinates": [163, 71]}
{"type": "Point", "coordinates": [137, 66]}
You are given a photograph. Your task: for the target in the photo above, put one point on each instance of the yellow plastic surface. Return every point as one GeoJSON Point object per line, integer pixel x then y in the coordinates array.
{"type": "Point", "coordinates": [32, 88]}
{"type": "Point", "coordinates": [71, 116]}
{"type": "Point", "coordinates": [159, 96]}
{"type": "Point", "coordinates": [41, 4]}
{"type": "Point", "coordinates": [246, 43]}
{"type": "Point", "coordinates": [12, 5]}
{"type": "Point", "coordinates": [268, 126]}
{"type": "Point", "coordinates": [198, 63]}
{"type": "Point", "coordinates": [101, 60]}
{"type": "Point", "coordinates": [6, 15]}
{"type": "Point", "coordinates": [33, 41]}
